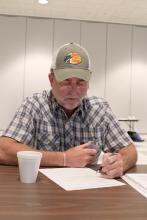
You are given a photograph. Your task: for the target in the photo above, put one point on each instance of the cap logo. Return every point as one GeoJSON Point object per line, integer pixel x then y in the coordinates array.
{"type": "Point", "coordinates": [73, 58]}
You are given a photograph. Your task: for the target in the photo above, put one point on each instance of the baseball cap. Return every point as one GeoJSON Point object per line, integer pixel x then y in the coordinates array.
{"type": "Point", "coordinates": [71, 60]}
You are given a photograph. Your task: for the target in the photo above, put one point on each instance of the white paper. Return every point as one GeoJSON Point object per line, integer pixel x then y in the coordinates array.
{"type": "Point", "coordinates": [78, 178]}
{"type": "Point", "coordinates": [138, 181]}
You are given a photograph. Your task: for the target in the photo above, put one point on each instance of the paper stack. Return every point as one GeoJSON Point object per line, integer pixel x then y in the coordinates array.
{"type": "Point", "coordinates": [78, 178]}
{"type": "Point", "coordinates": [138, 181]}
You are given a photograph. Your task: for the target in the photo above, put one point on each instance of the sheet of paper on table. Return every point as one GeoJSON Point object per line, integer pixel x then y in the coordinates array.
{"type": "Point", "coordinates": [78, 178]}
{"type": "Point", "coordinates": [138, 181]}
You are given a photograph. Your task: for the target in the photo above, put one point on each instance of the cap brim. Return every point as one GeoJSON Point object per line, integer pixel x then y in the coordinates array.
{"type": "Point", "coordinates": [63, 74]}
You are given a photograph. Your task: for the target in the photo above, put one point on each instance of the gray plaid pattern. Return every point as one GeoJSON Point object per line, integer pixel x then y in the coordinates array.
{"type": "Point", "coordinates": [41, 123]}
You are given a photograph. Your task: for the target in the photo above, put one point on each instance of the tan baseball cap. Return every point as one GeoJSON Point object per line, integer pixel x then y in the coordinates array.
{"type": "Point", "coordinates": [71, 60]}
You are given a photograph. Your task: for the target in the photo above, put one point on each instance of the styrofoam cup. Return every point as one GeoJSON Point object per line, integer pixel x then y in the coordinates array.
{"type": "Point", "coordinates": [29, 163]}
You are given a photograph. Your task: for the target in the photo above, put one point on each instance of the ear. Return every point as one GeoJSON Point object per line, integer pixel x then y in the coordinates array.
{"type": "Point", "coordinates": [51, 78]}
{"type": "Point", "coordinates": [88, 85]}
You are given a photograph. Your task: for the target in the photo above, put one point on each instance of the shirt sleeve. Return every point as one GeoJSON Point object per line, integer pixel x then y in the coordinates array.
{"type": "Point", "coordinates": [21, 128]}
{"type": "Point", "coordinates": [115, 136]}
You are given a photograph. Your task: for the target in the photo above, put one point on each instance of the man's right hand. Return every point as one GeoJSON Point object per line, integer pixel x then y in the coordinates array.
{"type": "Point", "coordinates": [80, 156]}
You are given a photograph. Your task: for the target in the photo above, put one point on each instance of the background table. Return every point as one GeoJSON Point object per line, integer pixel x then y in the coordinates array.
{"type": "Point", "coordinates": [44, 200]}
{"type": "Point", "coordinates": [130, 122]}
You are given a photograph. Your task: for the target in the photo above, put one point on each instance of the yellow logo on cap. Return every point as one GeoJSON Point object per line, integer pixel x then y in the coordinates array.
{"type": "Point", "coordinates": [73, 58]}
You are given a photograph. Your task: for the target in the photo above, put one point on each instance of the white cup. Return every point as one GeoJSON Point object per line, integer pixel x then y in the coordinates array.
{"type": "Point", "coordinates": [29, 163]}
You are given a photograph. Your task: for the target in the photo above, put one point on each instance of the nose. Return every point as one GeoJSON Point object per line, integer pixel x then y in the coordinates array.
{"type": "Point", "coordinates": [74, 89]}
{"type": "Point", "coordinates": [73, 86]}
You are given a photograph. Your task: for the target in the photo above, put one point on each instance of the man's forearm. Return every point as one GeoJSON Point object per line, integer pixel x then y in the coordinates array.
{"type": "Point", "coordinates": [9, 148]}
{"type": "Point", "coordinates": [129, 155]}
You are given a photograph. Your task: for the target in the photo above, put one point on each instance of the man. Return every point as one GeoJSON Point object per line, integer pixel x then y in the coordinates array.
{"type": "Point", "coordinates": [69, 128]}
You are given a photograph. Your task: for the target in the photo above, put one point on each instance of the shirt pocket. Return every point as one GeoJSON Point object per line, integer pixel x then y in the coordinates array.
{"type": "Point", "coordinates": [47, 137]}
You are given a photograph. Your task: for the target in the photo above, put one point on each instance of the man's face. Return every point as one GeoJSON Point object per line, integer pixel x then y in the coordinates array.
{"type": "Point", "coordinates": [70, 92]}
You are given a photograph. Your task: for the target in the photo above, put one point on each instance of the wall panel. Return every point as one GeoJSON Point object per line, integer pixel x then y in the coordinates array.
{"type": "Point", "coordinates": [139, 78]}
{"type": "Point", "coordinates": [66, 31]}
{"type": "Point", "coordinates": [12, 53]}
{"type": "Point", "coordinates": [39, 44]}
{"type": "Point", "coordinates": [119, 68]}
{"type": "Point", "coordinates": [93, 38]}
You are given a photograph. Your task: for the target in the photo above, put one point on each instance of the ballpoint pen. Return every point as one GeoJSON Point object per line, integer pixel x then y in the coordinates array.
{"type": "Point", "coordinates": [99, 170]}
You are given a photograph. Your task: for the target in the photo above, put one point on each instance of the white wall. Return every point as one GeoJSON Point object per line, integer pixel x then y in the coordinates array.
{"type": "Point", "coordinates": [12, 54]}
{"type": "Point", "coordinates": [39, 38]}
{"type": "Point", "coordinates": [93, 38]}
{"type": "Point", "coordinates": [118, 54]}
{"type": "Point", "coordinates": [118, 68]}
{"type": "Point", "coordinates": [139, 77]}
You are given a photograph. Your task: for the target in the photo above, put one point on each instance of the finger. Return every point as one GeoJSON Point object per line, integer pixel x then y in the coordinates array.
{"type": "Point", "coordinates": [112, 173]}
{"type": "Point", "coordinates": [110, 167]}
{"type": "Point", "coordinates": [113, 158]}
{"type": "Point", "coordinates": [113, 170]}
{"type": "Point", "coordinates": [110, 158]}
{"type": "Point", "coordinates": [90, 152]}
{"type": "Point", "coordinates": [90, 159]}
{"type": "Point", "coordinates": [113, 162]}
{"type": "Point", "coordinates": [86, 145]}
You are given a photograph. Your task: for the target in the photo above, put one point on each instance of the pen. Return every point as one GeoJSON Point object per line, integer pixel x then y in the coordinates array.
{"type": "Point", "coordinates": [99, 170]}
{"type": "Point", "coordinates": [113, 152]}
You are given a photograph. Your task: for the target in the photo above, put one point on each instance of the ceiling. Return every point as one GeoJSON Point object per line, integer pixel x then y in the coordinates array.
{"type": "Point", "coordinates": [113, 11]}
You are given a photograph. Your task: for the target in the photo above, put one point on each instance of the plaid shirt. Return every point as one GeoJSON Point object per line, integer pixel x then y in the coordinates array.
{"type": "Point", "coordinates": [41, 123]}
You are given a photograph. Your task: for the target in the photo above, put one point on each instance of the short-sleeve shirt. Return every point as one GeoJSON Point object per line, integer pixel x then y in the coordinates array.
{"type": "Point", "coordinates": [40, 122]}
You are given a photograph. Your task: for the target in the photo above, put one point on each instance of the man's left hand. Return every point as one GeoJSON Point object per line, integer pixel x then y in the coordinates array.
{"type": "Point", "coordinates": [112, 165]}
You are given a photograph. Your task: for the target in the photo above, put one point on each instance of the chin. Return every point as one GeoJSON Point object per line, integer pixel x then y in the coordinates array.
{"type": "Point", "coordinates": [71, 107]}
